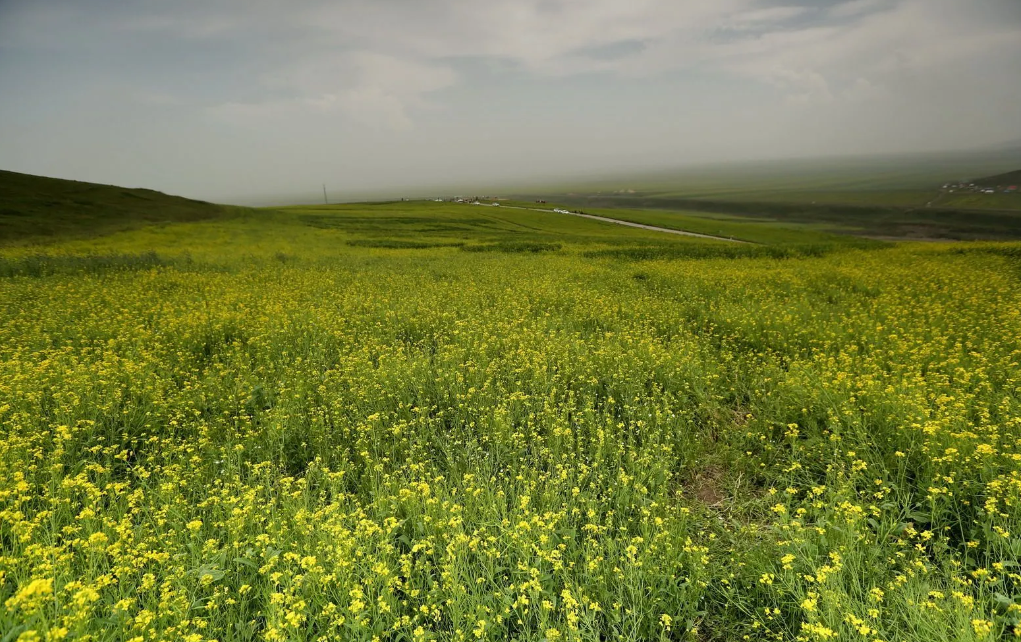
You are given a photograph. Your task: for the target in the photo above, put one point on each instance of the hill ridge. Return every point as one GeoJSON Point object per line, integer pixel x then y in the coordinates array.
{"type": "Point", "coordinates": [1000, 180]}
{"type": "Point", "coordinates": [38, 208]}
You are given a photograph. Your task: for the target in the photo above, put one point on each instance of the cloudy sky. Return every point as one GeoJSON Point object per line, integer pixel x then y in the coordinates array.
{"type": "Point", "coordinates": [245, 99]}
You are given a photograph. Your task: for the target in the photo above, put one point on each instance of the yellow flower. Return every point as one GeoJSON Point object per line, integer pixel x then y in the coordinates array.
{"type": "Point", "coordinates": [982, 627]}
{"type": "Point", "coordinates": [31, 596]}
{"type": "Point", "coordinates": [818, 631]}
{"type": "Point", "coordinates": [98, 540]}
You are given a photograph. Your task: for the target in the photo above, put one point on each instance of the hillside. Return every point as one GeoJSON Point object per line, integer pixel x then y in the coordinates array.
{"type": "Point", "coordinates": [999, 180]}
{"type": "Point", "coordinates": [36, 208]}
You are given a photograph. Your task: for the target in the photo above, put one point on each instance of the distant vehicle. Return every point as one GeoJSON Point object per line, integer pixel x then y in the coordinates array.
{"type": "Point", "coordinates": [496, 205]}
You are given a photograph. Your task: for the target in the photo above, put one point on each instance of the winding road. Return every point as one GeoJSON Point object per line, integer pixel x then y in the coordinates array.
{"type": "Point", "coordinates": [643, 226]}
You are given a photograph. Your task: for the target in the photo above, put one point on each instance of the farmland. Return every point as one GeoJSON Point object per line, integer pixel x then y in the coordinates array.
{"type": "Point", "coordinates": [426, 421]}
{"type": "Point", "coordinates": [882, 197]}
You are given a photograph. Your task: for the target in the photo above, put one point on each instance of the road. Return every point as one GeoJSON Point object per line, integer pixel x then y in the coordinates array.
{"type": "Point", "coordinates": [643, 226]}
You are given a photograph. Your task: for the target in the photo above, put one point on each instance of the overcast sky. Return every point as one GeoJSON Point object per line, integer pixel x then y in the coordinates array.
{"type": "Point", "coordinates": [241, 99]}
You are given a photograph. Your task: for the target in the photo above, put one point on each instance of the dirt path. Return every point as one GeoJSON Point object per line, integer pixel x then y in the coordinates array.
{"type": "Point", "coordinates": [643, 226]}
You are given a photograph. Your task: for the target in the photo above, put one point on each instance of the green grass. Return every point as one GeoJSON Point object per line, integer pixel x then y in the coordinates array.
{"type": "Point", "coordinates": [909, 198]}
{"type": "Point", "coordinates": [34, 208]}
{"type": "Point", "coordinates": [998, 201]}
{"type": "Point", "coordinates": [886, 197]}
{"type": "Point", "coordinates": [43, 265]}
{"type": "Point", "coordinates": [761, 231]}
{"type": "Point", "coordinates": [862, 220]}
{"type": "Point", "coordinates": [475, 226]}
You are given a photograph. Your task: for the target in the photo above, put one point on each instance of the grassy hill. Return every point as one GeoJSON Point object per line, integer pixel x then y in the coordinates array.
{"type": "Point", "coordinates": [1009, 178]}
{"type": "Point", "coordinates": [35, 208]}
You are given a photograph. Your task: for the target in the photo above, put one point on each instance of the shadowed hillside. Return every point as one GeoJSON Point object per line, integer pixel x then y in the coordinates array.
{"type": "Point", "coordinates": [1010, 178]}
{"type": "Point", "coordinates": [35, 208]}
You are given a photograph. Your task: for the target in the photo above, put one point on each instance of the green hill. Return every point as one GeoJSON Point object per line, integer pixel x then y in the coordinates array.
{"type": "Point", "coordinates": [36, 208]}
{"type": "Point", "coordinates": [1000, 180]}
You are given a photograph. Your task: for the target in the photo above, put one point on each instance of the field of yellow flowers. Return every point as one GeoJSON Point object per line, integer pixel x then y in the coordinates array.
{"type": "Point", "coordinates": [419, 422]}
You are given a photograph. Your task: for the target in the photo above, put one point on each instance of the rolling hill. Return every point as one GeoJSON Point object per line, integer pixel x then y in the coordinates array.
{"type": "Point", "coordinates": [999, 180]}
{"type": "Point", "coordinates": [35, 208]}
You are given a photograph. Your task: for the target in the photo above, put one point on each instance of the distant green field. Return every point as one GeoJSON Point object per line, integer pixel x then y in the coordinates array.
{"type": "Point", "coordinates": [999, 201]}
{"type": "Point", "coordinates": [907, 198]}
{"type": "Point", "coordinates": [756, 231]}
{"type": "Point", "coordinates": [864, 197]}
{"type": "Point", "coordinates": [912, 173]}
{"type": "Point", "coordinates": [896, 198]}
{"type": "Point", "coordinates": [469, 225]}
{"type": "Point", "coordinates": [862, 220]}
{"type": "Point", "coordinates": [886, 196]}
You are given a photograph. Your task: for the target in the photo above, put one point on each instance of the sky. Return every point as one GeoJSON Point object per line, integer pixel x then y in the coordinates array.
{"type": "Point", "coordinates": [249, 100]}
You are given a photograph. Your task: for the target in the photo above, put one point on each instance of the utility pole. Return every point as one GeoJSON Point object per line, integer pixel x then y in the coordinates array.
{"type": "Point", "coordinates": [325, 200]}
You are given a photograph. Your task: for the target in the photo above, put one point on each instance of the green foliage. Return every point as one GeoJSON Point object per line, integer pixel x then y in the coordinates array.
{"type": "Point", "coordinates": [948, 221]}
{"type": "Point", "coordinates": [399, 244]}
{"type": "Point", "coordinates": [650, 252]}
{"type": "Point", "coordinates": [37, 265]}
{"type": "Point", "coordinates": [527, 247]}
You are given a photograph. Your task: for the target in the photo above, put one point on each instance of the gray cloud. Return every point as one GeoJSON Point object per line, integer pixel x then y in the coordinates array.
{"type": "Point", "coordinates": [282, 91]}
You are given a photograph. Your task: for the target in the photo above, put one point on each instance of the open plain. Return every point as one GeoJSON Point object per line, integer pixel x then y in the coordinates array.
{"type": "Point", "coordinates": [428, 421]}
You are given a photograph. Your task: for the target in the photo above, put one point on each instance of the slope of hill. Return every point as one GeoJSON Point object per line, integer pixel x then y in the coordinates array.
{"type": "Point", "coordinates": [35, 208]}
{"type": "Point", "coordinates": [1009, 178]}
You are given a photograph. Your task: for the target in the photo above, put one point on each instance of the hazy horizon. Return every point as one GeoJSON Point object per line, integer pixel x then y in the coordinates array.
{"type": "Point", "coordinates": [223, 99]}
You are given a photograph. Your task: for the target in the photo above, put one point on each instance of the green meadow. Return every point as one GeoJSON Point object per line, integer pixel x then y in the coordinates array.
{"type": "Point", "coordinates": [414, 421]}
